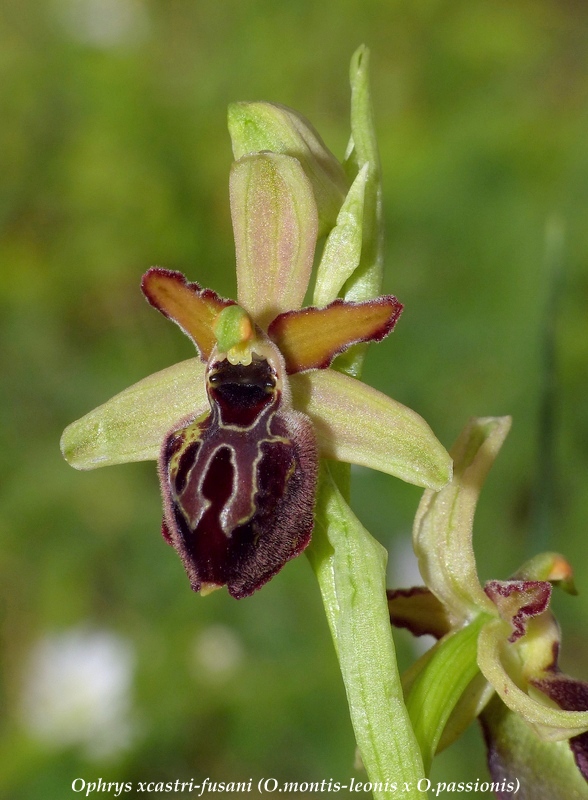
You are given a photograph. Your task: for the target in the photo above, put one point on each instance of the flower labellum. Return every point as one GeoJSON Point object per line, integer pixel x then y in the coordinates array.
{"type": "Point", "coordinates": [239, 480]}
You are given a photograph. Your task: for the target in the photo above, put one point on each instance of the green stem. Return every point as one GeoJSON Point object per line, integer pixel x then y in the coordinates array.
{"type": "Point", "coordinates": [350, 566]}
{"type": "Point", "coordinates": [349, 563]}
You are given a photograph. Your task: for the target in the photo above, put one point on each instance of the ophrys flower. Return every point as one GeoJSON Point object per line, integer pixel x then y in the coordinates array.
{"type": "Point", "coordinates": [498, 638]}
{"type": "Point", "coordinates": [238, 431]}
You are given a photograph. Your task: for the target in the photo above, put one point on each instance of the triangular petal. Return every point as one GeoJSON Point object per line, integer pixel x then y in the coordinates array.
{"type": "Point", "coordinates": [360, 425]}
{"type": "Point", "coordinates": [132, 425]}
{"type": "Point", "coordinates": [518, 602]}
{"type": "Point", "coordinates": [194, 309]}
{"type": "Point", "coordinates": [550, 723]}
{"type": "Point", "coordinates": [311, 337]}
{"type": "Point", "coordinates": [275, 226]}
{"type": "Point", "coordinates": [442, 533]}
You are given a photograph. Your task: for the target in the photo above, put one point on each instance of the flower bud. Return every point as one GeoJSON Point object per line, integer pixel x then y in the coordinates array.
{"type": "Point", "coordinates": [260, 126]}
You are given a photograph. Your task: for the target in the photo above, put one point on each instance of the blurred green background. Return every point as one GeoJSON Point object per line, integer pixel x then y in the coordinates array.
{"type": "Point", "coordinates": [114, 156]}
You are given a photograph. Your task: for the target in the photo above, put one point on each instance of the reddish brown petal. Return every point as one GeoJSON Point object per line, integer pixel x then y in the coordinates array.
{"type": "Point", "coordinates": [194, 309]}
{"type": "Point", "coordinates": [518, 601]}
{"type": "Point", "coordinates": [418, 610]}
{"type": "Point", "coordinates": [311, 337]}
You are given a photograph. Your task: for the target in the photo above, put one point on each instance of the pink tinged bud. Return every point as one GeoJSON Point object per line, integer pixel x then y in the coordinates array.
{"type": "Point", "coordinates": [552, 567]}
{"type": "Point", "coordinates": [260, 126]}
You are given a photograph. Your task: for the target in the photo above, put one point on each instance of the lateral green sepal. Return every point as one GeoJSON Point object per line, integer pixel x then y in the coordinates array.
{"type": "Point", "coordinates": [359, 425]}
{"type": "Point", "coordinates": [342, 251]}
{"type": "Point", "coordinates": [132, 425]}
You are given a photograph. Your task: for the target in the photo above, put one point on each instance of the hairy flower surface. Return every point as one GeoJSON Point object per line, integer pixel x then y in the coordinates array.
{"type": "Point", "coordinates": [238, 431]}
{"type": "Point", "coordinates": [501, 639]}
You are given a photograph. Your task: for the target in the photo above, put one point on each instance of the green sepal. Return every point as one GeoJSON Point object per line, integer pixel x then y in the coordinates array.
{"type": "Point", "coordinates": [132, 425]}
{"type": "Point", "coordinates": [261, 126]}
{"type": "Point", "coordinates": [359, 425]}
{"type": "Point", "coordinates": [442, 533]}
{"type": "Point", "coordinates": [495, 659]}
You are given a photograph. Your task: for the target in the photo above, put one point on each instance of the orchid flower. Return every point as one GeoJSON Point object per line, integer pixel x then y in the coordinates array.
{"type": "Point", "coordinates": [498, 644]}
{"type": "Point", "coordinates": [238, 430]}
{"type": "Point", "coordinates": [247, 434]}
